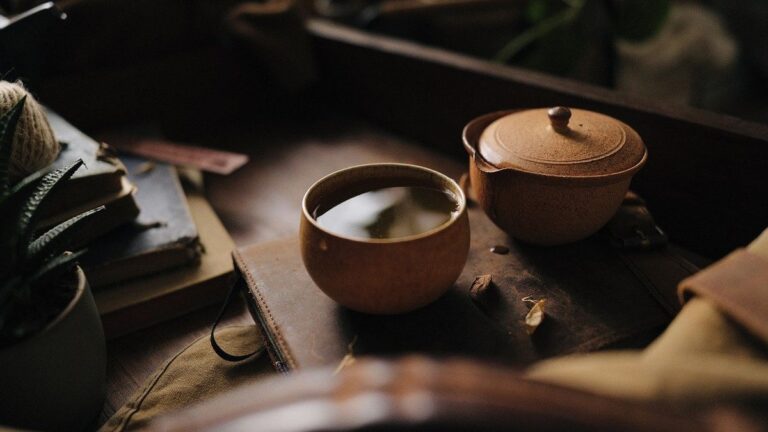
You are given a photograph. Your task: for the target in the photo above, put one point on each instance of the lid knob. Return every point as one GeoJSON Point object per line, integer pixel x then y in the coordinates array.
{"type": "Point", "coordinates": [558, 118]}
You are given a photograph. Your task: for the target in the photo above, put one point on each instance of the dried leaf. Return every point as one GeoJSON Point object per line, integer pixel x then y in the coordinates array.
{"type": "Point", "coordinates": [349, 359]}
{"type": "Point", "coordinates": [480, 285]}
{"type": "Point", "coordinates": [145, 168]}
{"type": "Point", "coordinates": [535, 316]}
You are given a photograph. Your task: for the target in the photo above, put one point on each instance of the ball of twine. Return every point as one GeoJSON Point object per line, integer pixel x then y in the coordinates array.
{"type": "Point", "coordinates": [34, 144]}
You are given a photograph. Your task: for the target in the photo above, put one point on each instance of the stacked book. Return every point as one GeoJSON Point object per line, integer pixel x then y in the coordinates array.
{"type": "Point", "coordinates": [156, 251]}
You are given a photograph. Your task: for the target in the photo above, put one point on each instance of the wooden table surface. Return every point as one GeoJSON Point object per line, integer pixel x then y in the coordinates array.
{"type": "Point", "coordinates": [260, 202]}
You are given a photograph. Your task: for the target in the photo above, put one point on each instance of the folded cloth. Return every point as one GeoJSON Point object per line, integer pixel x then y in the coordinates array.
{"type": "Point", "coordinates": [705, 360]}
{"type": "Point", "coordinates": [193, 375]}
{"type": "Point", "coordinates": [713, 355]}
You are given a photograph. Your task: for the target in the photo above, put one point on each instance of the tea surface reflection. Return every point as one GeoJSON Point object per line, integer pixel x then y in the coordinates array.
{"type": "Point", "coordinates": [390, 213]}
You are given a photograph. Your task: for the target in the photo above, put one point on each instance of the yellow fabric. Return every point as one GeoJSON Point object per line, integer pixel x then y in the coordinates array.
{"type": "Point", "coordinates": [760, 245]}
{"type": "Point", "coordinates": [702, 358]}
{"type": "Point", "coordinates": [193, 375]}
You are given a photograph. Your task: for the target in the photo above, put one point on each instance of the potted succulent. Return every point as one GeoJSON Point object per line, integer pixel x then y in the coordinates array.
{"type": "Point", "coordinates": [52, 349]}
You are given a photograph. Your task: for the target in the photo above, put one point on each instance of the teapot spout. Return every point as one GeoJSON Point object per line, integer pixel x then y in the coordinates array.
{"type": "Point", "coordinates": [483, 165]}
{"type": "Point", "coordinates": [471, 138]}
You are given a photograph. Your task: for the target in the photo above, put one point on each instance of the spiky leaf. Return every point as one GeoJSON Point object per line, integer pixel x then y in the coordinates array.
{"type": "Point", "coordinates": [56, 240]}
{"type": "Point", "coordinates": [30, 212]}
{"type": "Point", "coordinates": [26, 184]}
{"type": "Point", "coordinates": [36, 300]}
{"type": "Point", "coordinates": [8, 123]}
{"type": "Point", "coordinates": [10, 210]}
{"type": "Point", "coordinates": [54, 269]}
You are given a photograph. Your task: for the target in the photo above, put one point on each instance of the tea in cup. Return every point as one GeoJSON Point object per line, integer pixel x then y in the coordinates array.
{"type": "Point", "coordinates": [384, 238]}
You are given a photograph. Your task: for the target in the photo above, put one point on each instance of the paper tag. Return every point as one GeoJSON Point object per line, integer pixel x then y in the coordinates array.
{"type": "Point", "coordinates": [206, 159]}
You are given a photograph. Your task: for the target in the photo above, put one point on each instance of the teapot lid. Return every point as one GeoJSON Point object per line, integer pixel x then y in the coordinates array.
{"type": "Point", "coordinates": [562, 142]}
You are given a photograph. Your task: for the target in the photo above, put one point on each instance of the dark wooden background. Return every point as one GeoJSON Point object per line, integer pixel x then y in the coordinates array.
{"type": "Point", "coordinates": [379, 99]}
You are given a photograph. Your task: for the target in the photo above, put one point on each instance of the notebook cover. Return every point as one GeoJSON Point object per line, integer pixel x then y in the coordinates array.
{"type": "Point", "coordinates": [140, 303]}
{"type": "Point", "coordinates": [594, 299]}
{"type": "Point", "coordinates": [163, 236]}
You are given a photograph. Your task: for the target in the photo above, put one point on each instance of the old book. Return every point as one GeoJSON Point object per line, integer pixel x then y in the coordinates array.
{"type": "Point", "coordinates": [99, 181]}
{"type": "Point", "coordinates": [163, 236]}
{"type": "Point", "coordinates": [119, 209]}
{"type": "Point", "coordinates": [596, 296]}
{"type": "Point", "coordinates": [140, 303]}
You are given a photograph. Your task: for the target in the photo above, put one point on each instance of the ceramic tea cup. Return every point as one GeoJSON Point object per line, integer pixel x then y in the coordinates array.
{"type": "Point", "coordinates": [383, 275]}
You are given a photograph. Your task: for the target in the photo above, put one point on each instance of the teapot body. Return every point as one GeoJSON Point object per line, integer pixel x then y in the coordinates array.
{"type": "Point", "coordinates": [538, 208]}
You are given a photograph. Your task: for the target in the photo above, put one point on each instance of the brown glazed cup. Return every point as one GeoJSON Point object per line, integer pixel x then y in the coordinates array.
{"type": "Point", "coordinates": [551, 176]}
{"type": "Point", "coordinates": [383, 276]}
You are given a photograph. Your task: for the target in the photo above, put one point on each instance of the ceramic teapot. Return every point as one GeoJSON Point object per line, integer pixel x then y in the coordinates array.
{"type": "Point", "coordinates": [551, 176]}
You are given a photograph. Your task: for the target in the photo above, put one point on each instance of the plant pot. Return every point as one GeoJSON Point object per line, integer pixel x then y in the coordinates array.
{"type": "Point", "coordinates": [56, 379]}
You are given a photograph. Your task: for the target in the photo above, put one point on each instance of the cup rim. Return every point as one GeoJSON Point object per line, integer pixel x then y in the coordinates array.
{"type": "Point", "coordinates": [457, 190]}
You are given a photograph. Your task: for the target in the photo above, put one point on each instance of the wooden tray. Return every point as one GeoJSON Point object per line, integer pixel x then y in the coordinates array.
{"type": "Point", "coordinates": [705, 181]}
{"type": "Point", "coordinates": [707, 174]}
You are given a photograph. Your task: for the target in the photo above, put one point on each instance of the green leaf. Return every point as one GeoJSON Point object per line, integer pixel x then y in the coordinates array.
{"type": "Point", "coordinates": [10, 211]}
{"type": "Point", "coordinates": [542, 28]}
{"type": "Point", "coordinates": [54, 269]}
{"type": "Point", "coordinates": [30, 212]}
{"type": "Point", "coordinates": [20, 192]}
{"type": "Point", "coordinates": [59, 238]}
{"type": "Point", "coordinates": [27, 181]}
{"type": "Point", "coordinates": [8, 123]}
{"type": "Point", "coordinates": [637, 20]}
{"type": "Point", "coordinates": [536, 10]}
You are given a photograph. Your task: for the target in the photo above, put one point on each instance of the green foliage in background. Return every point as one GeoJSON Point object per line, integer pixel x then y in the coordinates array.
{"type": "Point", "coordinates": [36, 269]}
{"type": "Point", "coordinates": [636, 20]}
{"type": "Point", "coordinates": [560, 32]}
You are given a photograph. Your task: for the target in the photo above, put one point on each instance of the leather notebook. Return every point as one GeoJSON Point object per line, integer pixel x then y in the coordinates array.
{"type": "Point", "coordinates": [597, 295]}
